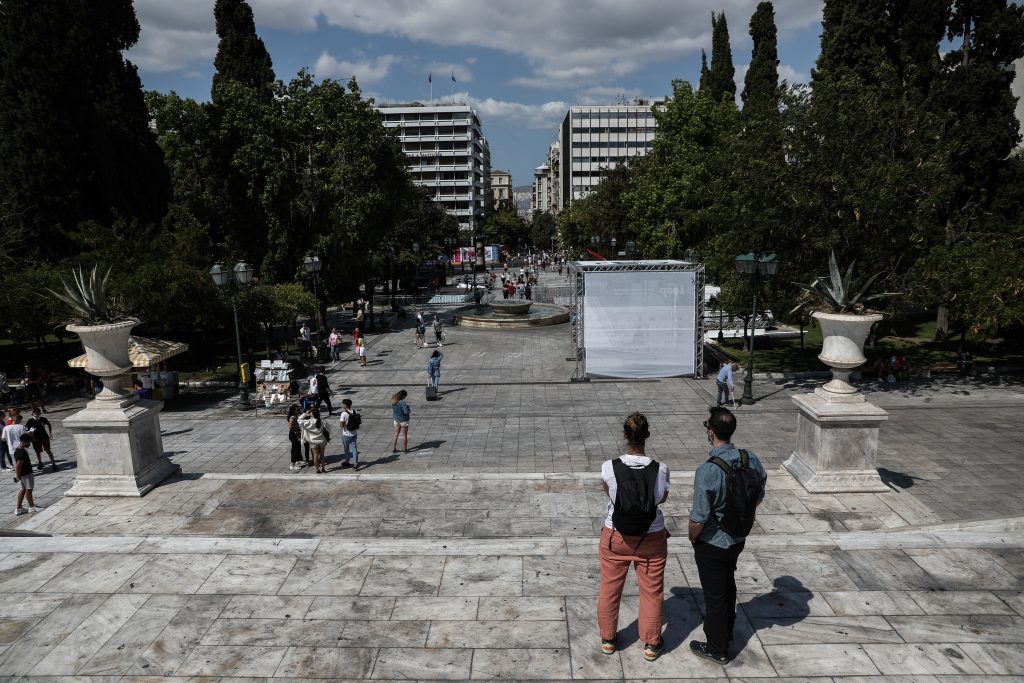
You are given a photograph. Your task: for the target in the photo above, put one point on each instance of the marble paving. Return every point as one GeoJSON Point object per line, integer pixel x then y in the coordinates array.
{"type": "Point", "coordinates": [473, 556]}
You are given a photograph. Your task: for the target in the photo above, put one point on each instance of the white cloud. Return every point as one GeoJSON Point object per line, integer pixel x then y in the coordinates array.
{"type": "Point", "coordinates": [365, 70]}
{"type": "Point", "coordinates": [601, 94]}
{"type": "Point", "coordinates": [171, 49]}
{"type": "Point", "coordinates": [470, 60]}
{"type": "Point", "coordinates": [567, 43]}
{"type": "Point", "coordinates": [546, 115]}
{"type": "Point", "coordinates": [788, 73]}
{"type": "Point", "coordinates": [442, 71]}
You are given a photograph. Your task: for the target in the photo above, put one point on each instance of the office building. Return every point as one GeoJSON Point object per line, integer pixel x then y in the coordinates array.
{"type": "Point", "coordinates": [545, 182]}
{"type": "Point", "coordinates": [501, 186]}
{"type": "Point", "coordinates": [594, 139]}
{"type": "Point", "coordinates": [448, 155]}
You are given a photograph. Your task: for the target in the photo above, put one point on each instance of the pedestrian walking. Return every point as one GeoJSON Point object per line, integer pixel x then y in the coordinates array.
{"type": "Point", "coordinates": [726, 491]}
{"type": "Point", "coordinates": [315, 433]}
{"type": "Point", "coordinates": [6, 454]}
{"type": "Point", "coordinates": [323, 389]}
{"type": "Point", "coordinates": [295, 438]}
{"type": "Point", "coordinates": [421, 332]}
{"type": "Point", "coordinates": [306, 339]}
{"type": "Point", "coordinates": [349, 423]}
{"type": "Point", "coordinates": [400, 413]}
{"type": "Point", "coordinates": [23, 476]}
{"type": "Point", "coordinates": [361, 352]}
{"type": "Point", "coordinates": [732, 389]}
{"type": "Point", "coordinates": [724, 382]}
{"type": "Point", "coordinates": [360, 316]}
{"type": "Point", "coordinates": [12, 432]}
{"type": "Point", "coordinates": [633, 534]}
{"type": "Point", "coordinates": [434, 368]}
{"type": "Point", "coordinates": [438, 330]}
{"type": "Point", "coordinates": [334, 343]}
{"type": "Point", "coordinates": [41, 431]}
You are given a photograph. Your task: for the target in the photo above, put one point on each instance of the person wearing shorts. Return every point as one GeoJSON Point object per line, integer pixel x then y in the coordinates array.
{"type": "Point", "coordinates": [41, 430]}
{"type": "Point", "coordinates": [400, 413]}
{"type": "Point", "coordinates": [23, 476]}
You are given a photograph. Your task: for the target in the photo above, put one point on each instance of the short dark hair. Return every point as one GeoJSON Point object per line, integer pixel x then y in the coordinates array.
{"type": "Point", "coordinates": [347, 402]}
{"type": "Point", "coordinates": [722, 422]}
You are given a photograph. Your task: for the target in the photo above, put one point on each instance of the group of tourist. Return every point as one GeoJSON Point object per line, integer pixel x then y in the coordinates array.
{"type": "Point", "coordinates": [17, 436]}
{"type": "Point", "coordinates": [309, 434]}
{"type": "Point", "coordinates": [421, 331]}
{"type": "Point", "coordinates": [726, 491]}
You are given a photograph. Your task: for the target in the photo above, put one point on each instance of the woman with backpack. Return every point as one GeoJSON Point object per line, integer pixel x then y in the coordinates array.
{"type": "Point", "coordinates": [634, 534]}
{"type": "Point", "coordinates": [315, 433]}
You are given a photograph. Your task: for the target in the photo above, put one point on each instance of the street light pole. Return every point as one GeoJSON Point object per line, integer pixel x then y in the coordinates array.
{"type": "Point", "coordinates": [222, 277]}
{"type": "Point", "coordinates": [312, 265]}
{"type": "Point", "coordinates": [754, 266]}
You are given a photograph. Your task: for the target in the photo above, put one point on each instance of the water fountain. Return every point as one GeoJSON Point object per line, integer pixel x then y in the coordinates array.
{"type": "Point", "coordinates": [513, 314]}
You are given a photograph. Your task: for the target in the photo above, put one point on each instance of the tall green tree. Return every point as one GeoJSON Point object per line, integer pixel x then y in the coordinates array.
{"type": "Point", "coordinates": [705, 73]}
{"type": "Point", "coordinates": [241, 55]}
{"type": "Point", "coordinates": [721, 78]}
{"type": "Point", "coordinates": [761, 84]}
{"type": "Point", "coordinates": [982, 221]}
{"type": "Point", "coordinates": [75, 143]}
{"type": "Point", "coordinates": [856, 38]}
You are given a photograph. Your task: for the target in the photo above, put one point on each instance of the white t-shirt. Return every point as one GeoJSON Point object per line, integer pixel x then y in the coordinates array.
{"type": "Point", "coordinates": [661, 488]}
{"type": "Point", "coordinates": [12, 435]}
{"type": "Point", "coordinates": [343, 420]}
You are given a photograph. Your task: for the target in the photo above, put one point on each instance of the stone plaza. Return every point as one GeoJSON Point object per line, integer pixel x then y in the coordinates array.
{"type": "Point", "coordinates": [473, 556]}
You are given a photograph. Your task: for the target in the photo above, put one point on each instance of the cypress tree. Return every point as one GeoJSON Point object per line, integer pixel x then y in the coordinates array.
{"type": "Point", "coordinates": [705, 74]}
{"type": "Point", "coordinates": [241, 55]}
{"type": "Point", "coordinates": [721, 78]}
{"type": "Point", "coordinates": [761, 83]}
{"type": "Point", "coordinates": [75, 143]}
{"type": "Point", "coordinates": [920, 26]}
{"type": "Point", "coordinates": [857, 37]}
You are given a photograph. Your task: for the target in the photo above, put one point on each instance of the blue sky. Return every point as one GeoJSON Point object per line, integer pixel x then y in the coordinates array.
{"type": "Point", "coordinates": [520, 63]}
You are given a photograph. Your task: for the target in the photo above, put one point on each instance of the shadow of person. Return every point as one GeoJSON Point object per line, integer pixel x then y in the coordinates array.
{"type": "Point", "coordinates": [787, 604]}
{"type": "Point", "coordinates": [679, 614]}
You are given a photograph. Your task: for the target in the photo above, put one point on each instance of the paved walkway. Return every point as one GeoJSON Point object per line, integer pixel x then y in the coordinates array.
{"type": "Point", "coordinates": [473, 556]}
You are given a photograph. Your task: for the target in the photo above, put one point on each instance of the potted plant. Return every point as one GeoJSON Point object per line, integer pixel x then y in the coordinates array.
{"type": "Point", "coordinates": [845, 321]}
{"type": "Point", "coordinates": [100, 321]}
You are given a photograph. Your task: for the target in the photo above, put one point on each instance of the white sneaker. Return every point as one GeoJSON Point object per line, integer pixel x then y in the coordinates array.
{"type": "Point", "coordinates": [20, 511]}
{"type": "Point", "coordinates": [36, 508]}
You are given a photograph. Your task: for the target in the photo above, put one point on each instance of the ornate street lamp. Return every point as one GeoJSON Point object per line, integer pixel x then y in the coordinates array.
{"type": "Point", "coordinates": [754, 266]}
{"type": "Point", "coordinates": [312, 265]}
{"type": "Point", "coordinates": [613, 243]}
{"type": "Point", "coordinates": [631, 249]}
{"type": "Point", "coordinates": [222, 278]}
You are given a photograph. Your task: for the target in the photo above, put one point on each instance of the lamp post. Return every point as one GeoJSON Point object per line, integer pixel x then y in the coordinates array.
{"type": "Point", "coordinates": [312, 265]}
{"type": "Point", "coordinates": [631, 249]}
{"type": "Point", "coordinates": [222, 277]}
{"type": "Point", "coordinates": [754, 266]}
{"type": "Point", "coordinates": [614, 242]}
{"type": "Point", "coordinates": [391, 277]}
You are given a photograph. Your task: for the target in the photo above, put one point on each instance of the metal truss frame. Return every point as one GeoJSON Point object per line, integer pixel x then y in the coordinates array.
{"type": "Point", "coordinates": [577, 315]}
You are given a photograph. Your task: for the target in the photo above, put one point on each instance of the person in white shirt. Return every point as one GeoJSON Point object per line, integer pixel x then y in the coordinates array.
{"type": "Point", "coordinates": [349, 437]}
{"type": "Point", "coordinates": [12, 434]}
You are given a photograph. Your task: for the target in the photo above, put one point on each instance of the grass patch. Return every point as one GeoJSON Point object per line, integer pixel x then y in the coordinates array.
{"type": "Point", "coordinates": [919, 348]}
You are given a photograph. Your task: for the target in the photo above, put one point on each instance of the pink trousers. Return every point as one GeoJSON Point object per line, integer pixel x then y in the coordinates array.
{"type": "Point", "coordinates": [648, 558]}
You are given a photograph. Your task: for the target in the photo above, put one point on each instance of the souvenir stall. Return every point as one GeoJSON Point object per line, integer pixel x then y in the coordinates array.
{"type": "Point", "coordinates": [274, 384]}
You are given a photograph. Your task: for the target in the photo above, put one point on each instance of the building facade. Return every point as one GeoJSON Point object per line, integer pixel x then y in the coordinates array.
{"type": "Point", "coordinates": [522, 199]}
{"type": "Point", "coordinates": [546, 195]}
{"type": "Point", "coordinates": [594, 139]}
{"type": "Point", "coordinates": [501, 186]}
{"type": "Point", "coordinates": [449, 156]}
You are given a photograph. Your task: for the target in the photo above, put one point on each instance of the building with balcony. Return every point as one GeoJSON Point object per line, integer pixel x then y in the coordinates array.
{"type": "Point", "coordinates": [501, 186]}
{"type": "Point", "coordinates": [593, 139]}
{"type": "Point", "coordinates": [545, 182]}
{"type": "Point", "coordinates": [448, 155]}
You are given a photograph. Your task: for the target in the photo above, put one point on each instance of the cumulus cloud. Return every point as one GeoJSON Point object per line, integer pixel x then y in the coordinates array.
{"type": "Point", "coordinates": [545, 115]}
{"type": "Point", "coordinates": [175, 36]}
{"type": "Point", "coordinates": [601, 94]}
{"type": "Point", "coordinates": [567, 43]}
{"type": "Point", "coordinates": [443, 71]}
{"type": "Point", "coordinates": [365, 70]}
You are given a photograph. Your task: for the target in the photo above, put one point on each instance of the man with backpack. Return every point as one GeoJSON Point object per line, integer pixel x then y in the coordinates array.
{"type": "Point", "coordinates": [350, 421]}
{"type": "Point", "coordinates": [726, 491]}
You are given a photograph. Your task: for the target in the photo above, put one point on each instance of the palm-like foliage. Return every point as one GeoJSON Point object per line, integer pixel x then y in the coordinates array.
{"type": "Point", "coordinates": [87, 297]}
{"type": "Point", "coordinates": [834, 294]}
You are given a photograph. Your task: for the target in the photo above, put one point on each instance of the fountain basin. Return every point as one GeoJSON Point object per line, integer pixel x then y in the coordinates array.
{"type": "Point", "coordinates": [513, 307]}
{"type": "Point", "coordinates": [497, 316]}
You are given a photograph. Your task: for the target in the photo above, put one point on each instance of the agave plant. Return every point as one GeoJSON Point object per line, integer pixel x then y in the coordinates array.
{"type": "Point", "coordinates": [88, 299]}
{"type": "Point", "coordinates": [834, 295]}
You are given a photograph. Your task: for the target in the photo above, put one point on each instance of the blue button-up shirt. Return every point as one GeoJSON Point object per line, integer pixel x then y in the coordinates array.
{"type": "Point", "coordinates": [725, 374]}
{"type": "Point", "coordinates": [709, 494]}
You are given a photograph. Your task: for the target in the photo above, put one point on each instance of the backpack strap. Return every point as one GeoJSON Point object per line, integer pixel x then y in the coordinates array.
{"type": "Point", "coordinates": [744, 458]}
{"type": "Point", "coordinates": [726, 467]}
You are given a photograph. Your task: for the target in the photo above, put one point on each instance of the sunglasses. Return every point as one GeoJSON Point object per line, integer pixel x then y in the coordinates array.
{"type": "Point", "coordinates": [706, 425]}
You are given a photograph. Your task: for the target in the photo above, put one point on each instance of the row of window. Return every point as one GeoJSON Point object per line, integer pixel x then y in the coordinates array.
{"type": "Point", "coordinates": [614, 129]}
{"type": "Point", "coordinates": [609, 115]}
{"type": "Point", "coordinates": [621, 144]}
{"type": "Point", "coordinates": [444, 117]}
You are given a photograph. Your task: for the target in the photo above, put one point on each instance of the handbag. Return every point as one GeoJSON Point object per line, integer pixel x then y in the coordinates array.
{"type": "Point", "coordinates": [327, 434]}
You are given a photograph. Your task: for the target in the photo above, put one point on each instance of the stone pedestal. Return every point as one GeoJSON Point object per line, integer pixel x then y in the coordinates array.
{"type": "Point", "coordinates": [836, 443]}
{"type": "Point", "coordinates": [118, 447]}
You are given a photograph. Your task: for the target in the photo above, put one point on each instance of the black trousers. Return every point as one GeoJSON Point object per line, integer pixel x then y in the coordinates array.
{"type": "Point", "coordinates": [717, 570]}
{"type": "Point", "coordinates": [326, 398]}
{"type": "Point", "coordinates": [296, 449]}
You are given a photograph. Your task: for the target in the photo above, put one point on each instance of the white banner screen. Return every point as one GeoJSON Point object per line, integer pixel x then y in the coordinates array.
{"type": "Point", "coordinates": [639, 324]}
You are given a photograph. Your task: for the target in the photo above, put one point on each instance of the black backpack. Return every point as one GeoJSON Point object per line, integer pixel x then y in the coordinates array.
{"type": "Point", "coordinates": [635, 506]}
{"type": "Point", "coordinates": [742, 490]}
{"type": "Point", "coordinates": [353, 420]}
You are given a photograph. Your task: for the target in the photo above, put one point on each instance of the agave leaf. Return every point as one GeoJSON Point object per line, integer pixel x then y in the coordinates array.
{"type": "Point", "coordinates": [864, 289]}
{"type": "Point", "coordinates": [837, 281]}
{"type": "Point", "coordinates": [848, 278]}
{"type": "Point", "coordinates": [882, 295]}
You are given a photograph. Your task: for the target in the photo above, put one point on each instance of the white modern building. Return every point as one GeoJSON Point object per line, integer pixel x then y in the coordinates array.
{"type": "Point", "coordinates": [448, 155]}
{"type": "Point", "coordinates": [545, 182]}
{"type": "Point", "coordinates": [594, 139]}
{"type": "Point", "coordinates": [501, 186]}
